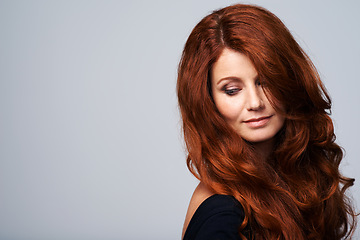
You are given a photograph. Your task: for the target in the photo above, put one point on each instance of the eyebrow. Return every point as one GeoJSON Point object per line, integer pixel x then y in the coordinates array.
{"type": "Point", "coordinates": [232, 78]}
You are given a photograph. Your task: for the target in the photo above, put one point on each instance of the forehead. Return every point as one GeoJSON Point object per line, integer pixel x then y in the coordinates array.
{"type": "Point", "coordinates": [233, 64]}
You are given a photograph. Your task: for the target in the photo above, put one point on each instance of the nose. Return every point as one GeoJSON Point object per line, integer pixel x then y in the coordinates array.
{"type": "Point", "coordinates": [255, 99]}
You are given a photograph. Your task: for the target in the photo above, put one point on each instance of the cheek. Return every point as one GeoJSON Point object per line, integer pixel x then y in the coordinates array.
{"type": "Point", "coordinates": [228, 109]}
{"type": "Point", "coordinates": [281, 121]}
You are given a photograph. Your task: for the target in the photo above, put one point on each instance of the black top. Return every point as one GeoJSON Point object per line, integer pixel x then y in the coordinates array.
{"type": "Point", "coordinates": [218, 217]}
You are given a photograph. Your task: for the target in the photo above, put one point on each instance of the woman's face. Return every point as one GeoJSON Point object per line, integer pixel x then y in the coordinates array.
{"type": "Point", "coordinates": [241, 100]}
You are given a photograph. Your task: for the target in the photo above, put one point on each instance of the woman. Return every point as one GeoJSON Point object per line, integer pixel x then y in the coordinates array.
{"type": "Point", "coordinates": [258, 133]}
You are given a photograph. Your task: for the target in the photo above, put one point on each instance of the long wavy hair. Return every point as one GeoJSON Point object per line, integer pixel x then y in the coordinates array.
{"type": "Point", "coordinates": [298, 193]}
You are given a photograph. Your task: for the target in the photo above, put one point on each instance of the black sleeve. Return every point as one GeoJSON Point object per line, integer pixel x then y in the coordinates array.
{"type": "Point", "coordinates": [220, 226]}
{"type": "Point", "coordinates": [217, 218]}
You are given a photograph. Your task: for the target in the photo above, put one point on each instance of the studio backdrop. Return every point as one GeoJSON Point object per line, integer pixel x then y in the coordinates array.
{"type": "Point", "coordinates": [90, 134]}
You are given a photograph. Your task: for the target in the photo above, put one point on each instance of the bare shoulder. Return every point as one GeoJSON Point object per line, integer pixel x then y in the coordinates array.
{"type": "Point", "coordinates": [200, 194]}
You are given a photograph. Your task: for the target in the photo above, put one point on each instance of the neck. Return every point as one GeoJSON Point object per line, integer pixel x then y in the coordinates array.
{"type": "Point", "coordinates": [264, 148]}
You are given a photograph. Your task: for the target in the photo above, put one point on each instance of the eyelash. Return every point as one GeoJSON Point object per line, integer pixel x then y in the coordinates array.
{"type": "Point", "coordinates": [232, 91]}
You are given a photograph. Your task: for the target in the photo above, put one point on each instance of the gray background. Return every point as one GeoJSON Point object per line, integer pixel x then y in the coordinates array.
{"type": "Point", "coordinates": [90, 143]}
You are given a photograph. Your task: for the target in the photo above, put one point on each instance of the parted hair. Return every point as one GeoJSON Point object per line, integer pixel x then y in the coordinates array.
{"type": "Point", "coordinates": [298, 192]}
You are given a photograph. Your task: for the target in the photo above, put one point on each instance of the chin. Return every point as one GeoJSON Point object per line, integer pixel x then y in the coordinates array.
{"type": "Point", "coordinates": [258, 137]}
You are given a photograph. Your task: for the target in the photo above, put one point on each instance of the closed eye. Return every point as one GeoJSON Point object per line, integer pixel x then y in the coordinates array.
{"type": "Point", "coordinates": [232, 91]}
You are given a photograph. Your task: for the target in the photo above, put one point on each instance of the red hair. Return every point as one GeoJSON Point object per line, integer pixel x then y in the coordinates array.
{"type": "Point", "coordinates": [298, 193]}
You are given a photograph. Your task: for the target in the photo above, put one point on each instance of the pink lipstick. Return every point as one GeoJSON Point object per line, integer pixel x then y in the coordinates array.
{"type": "Point", "coordinates": [257, 122]}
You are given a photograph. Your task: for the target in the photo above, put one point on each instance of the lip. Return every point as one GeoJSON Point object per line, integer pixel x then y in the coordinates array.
{"type": "Point", "coordinates": [258, 122]}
